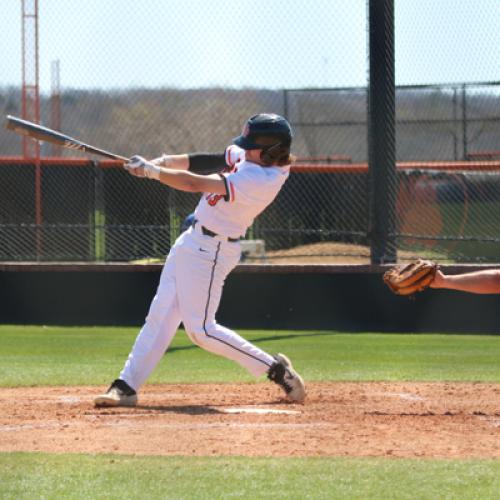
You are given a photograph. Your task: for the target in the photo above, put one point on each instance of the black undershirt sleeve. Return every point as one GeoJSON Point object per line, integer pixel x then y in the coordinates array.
{"type": "Point", "coordinates": [227, 195]}
{"type": "Point", "coordinates": [207, 163]}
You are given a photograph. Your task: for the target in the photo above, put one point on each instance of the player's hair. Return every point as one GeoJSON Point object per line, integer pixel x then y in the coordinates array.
{"type": "Point", "coordinates": [278, 154]}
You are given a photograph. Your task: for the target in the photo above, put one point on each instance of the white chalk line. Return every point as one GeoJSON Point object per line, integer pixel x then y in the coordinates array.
{"type": "Point", "coordinates": [227, 425]}
{"type": "Point", "coordinates": [258, 411]}
{"type": "Point", "coordinates": [403, 395]}
{"type": "Point", "coordinates": [494, 422]}
{"type": "Point", "coordinates": [160, 425]}
{"type": "Point", "coordinates": [23, 427]}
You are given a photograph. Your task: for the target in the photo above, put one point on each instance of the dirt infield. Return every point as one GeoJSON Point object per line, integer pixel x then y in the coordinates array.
{"type": "Point", "coordinates": [433, 420]}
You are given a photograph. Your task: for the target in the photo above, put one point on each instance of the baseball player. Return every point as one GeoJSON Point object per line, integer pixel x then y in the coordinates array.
{"type": "Point", "coordinates": [237, 185]}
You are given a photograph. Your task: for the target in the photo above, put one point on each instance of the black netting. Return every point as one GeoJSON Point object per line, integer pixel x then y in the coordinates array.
{"type": "Point", "coordinates": [186, 79]}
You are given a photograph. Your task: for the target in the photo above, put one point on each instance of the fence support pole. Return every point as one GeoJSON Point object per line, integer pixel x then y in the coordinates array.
{"type": "Point", "coordinates": [38, 204]}
{"type": "Point", "coordinates": [381, 132]}
{"type": "Point", "coordinates": [98, 216]}
{"type": "Point", "coordinates": [464, 123]}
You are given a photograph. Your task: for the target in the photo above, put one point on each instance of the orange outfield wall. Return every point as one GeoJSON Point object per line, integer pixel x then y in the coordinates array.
{"type": "Point", "coordinates": [300, 167]}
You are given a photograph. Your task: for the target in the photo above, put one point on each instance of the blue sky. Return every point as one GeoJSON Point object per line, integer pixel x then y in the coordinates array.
{"type": "Point", "coordinates": [249, 43]}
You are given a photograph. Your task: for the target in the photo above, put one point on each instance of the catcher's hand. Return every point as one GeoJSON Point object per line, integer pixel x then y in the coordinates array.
{"type": "Point", "coordinates": [411, 278]}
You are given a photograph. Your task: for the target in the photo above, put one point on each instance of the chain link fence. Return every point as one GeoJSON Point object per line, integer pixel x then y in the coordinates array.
{"type": "Point", "coordinates": [63, 208]}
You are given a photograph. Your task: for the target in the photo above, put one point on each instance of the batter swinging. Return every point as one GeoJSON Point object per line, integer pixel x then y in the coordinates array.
{"type": "Point", "coordinates": [237, 185]}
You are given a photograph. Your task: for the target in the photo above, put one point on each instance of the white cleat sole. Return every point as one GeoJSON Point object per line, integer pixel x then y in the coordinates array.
{"type": "Point", "coordinates": [298, 392]}
{"type": "Point", "coordinates": [111, 400]}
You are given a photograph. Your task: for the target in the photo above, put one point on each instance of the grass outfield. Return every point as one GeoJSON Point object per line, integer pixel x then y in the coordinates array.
{"type": "Point", "coordinates": [33, 355]}
{"type": "Point", "coordinates": [120, 477]}
{"type": "Point", "coordinates": [64, 356]}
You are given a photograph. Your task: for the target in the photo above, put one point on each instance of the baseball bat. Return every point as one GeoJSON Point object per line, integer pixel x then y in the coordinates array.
{"type": "Point", "coordinates": [45, 134]}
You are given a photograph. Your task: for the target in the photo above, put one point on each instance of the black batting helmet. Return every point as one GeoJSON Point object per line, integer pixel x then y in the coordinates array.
{"type": "Point", "coordinates": [264, 130]}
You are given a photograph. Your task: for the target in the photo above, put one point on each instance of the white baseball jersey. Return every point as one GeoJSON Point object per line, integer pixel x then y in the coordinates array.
{"type": "Point", "coordinates": [192, 279]}
{"type": "Point", "coordinates": [250, 189]}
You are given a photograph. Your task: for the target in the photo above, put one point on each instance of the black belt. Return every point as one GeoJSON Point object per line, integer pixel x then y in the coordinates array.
{"type": "Point", "coordinates": [207, 232]}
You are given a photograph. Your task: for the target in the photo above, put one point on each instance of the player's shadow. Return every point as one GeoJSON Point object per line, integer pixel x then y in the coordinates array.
{"type": "Point", "coordinates": [261, 339]}
{"type": "Point", "coordinates": [183, 409]}
{"type": "Point", "coordinates": [206, 409]}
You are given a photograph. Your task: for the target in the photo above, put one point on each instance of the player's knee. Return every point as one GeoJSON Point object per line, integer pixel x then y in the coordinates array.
{"type": "Point", "coordinates": [199, 334]}
{"type": "Point", "coordinates": [194, 337]}
{"type": "Point", "coordinates": [193, 331]}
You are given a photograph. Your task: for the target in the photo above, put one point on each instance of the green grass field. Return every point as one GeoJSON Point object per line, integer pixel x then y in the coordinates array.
{"type": "Point", "coordinates": [33, 356]}
{"type": "Point", "coordinates": [71, 356]}
{"type": "Point", "coordinates": [35, 475]}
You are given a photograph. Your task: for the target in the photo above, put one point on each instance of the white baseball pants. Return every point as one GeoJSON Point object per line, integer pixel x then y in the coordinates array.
{"type": "Point", "coordinates": [189, 291]}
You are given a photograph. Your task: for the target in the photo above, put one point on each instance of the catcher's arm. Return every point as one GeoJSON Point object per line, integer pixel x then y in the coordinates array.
{"type": "Point", "coordinates": [482, 282]}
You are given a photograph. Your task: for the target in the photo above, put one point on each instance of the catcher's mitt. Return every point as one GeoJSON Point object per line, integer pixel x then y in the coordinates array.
{"type": "Point", "coordinates": [411, 278]}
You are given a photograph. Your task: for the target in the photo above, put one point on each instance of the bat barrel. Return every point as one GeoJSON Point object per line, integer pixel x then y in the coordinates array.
{"type": "Point", "coordinates": [45, 134]}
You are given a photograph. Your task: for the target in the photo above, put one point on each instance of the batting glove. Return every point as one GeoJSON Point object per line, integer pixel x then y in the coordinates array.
{"type": "Point", "coordinates": [140, 167]}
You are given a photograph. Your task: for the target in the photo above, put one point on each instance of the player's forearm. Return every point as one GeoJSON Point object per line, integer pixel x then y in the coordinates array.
{"type": "Point", "coordinates": [177, 178]}
{"type": "Point", "coordinates": [187, 181]}
{"type": "Point", "coordinates": [173, 162]}
{"type": "Point", "coordinates": [481, 282]}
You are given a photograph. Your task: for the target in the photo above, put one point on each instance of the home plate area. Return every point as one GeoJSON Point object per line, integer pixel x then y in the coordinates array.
{"type": "Point", "coordinates": [259, 411]}
{"type": "Point", "coordinates": [407, 419]}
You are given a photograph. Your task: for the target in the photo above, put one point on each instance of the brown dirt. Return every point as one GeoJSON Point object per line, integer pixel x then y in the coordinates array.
{"type": "Point", "coordinates": [438, 420]}
{"type": "Point", "coordinates": [326, 253]}
{"type": "Point", "coordinates": [315, 253]}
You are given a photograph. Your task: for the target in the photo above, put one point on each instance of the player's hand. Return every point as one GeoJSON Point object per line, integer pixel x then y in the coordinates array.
{"type": "Point", "coordinates": [140, 167]}
{"type": "Point", "coordinates": [136, 166]}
